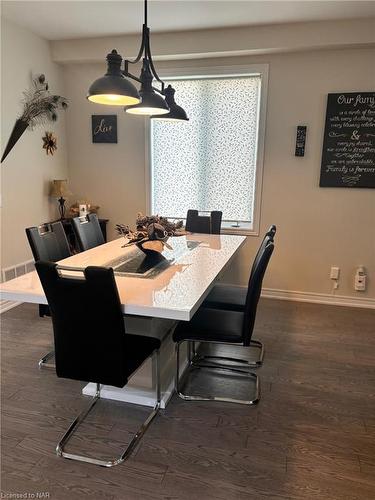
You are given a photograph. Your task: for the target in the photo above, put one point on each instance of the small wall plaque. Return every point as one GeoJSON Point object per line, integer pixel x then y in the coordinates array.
{"type": "Point", "coordinates": [300, 140]}
{"type": "Point", "coordinates": [104, 128]}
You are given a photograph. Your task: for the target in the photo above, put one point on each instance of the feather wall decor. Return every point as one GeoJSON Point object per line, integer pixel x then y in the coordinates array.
{"type": "Point", "coordinates": [39, 108]}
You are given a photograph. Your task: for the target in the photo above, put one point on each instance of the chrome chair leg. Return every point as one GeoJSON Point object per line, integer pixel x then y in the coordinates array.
{"type": "Point", "coordinates": [42, 363]}
{"type": "Point", "coordinates": [253, 401]}
{"type": "Point", "coordinates": [245, 362]}
{"type": "Point", "coordinates": [133, 443]}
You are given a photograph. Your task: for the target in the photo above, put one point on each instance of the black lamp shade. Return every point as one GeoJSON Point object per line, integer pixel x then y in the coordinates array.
{"type": "Point", "coordinates": [152, 103]}
{"type": "Point", "coordinates": [176, 112]}
{"type": "Point", "coordinates": [113, 88]}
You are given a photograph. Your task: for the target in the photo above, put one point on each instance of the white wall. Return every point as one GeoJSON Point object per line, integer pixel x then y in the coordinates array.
{"type": "Point", "coordinates": [109, 175]}
{"type": "Point", "coordinates": [27, 171]}
{"type": "Point", "coordinates": [220, 42]}
{"type": "Point", "coordinates": [317, 227]}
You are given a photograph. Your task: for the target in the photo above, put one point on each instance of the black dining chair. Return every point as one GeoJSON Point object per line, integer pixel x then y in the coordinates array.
{"type": "Point", "coordinates": [226, 328]}
{"type": "Point", "coordinates": [91, 343]}
{"type": "Point", "coordinates": [208, 224]}
{"type": "Point", "coordinates": [233, 297]}
{"type": "Point", "coordinates": [48, 242]}
{"type": "Point", "coordinates": [88, 232]}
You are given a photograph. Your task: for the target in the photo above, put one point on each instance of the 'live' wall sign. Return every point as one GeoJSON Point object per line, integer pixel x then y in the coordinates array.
{"type": "Point", "coordinates": [348, 157]}
{"type": "Point", "coordinates": [104, 128]}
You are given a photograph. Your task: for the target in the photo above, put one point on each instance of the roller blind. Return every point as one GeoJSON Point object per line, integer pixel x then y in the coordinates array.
{"type": "Point", "coordinates": [209, 162]}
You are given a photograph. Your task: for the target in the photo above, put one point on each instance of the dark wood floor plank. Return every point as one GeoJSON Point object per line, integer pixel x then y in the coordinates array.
{"type": "Point", "coordinates": [188, 486]}
{"type": "Point", "coordinates": [312, 436]}
{"type": "Point", "coordinates": [238, 466]}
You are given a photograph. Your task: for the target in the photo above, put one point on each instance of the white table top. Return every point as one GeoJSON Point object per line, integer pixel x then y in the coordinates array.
{"type": "Point", "coordinates": [175, 293]}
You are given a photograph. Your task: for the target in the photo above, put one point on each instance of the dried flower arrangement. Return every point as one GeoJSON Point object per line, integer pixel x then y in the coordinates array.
{"type": "Point", "coordinates": [49, 143]}
{"type": "Point", "coordinates": [39, 108]}
{"type": "Point", "coordinates": [152, 232]}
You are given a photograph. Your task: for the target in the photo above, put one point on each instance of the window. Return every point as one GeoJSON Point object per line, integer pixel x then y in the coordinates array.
{"type": "Point", "coordinates": [210, 162]}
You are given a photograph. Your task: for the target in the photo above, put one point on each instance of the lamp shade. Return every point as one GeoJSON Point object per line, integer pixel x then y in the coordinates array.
{"type": "Point", "coordinates": [152, 103]}
{"type": "Point", "coordinates": [59, 188]}
{"type": "Point", "coordinates": [113, 88]}
{"type": "Point", "coordinates": [176, 112]}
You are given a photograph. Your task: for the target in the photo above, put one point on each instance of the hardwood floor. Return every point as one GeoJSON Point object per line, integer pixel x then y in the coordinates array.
{"type": "Point", "coordinates": [312, 436]}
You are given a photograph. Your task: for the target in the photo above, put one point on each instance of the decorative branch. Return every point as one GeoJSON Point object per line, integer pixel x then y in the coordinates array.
{"type": "Point", "coordinates": [39, 105]}
{"type": "Point", "coordinates": [150, 228]}
{"type": "Point", "coordinates": [39, 108]}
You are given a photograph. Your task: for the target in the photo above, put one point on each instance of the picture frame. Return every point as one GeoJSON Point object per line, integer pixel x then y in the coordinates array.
{"type": "Point", "coordinates": [104, 129]}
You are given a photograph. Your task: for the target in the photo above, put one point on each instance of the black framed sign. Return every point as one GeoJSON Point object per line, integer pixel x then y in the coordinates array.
{"type": "Point", "coordinates": [348, 156]}
{"type": "Point", "coordinates": [300, 140]}
{"type": "Point", "coordinates": [104, 128]}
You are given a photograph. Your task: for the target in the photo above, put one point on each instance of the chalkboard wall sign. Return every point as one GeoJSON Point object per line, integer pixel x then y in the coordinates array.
{"type": "Point", "coordinates": [348, 157]}
{"type": "Point", "coordinates": [104, 128]}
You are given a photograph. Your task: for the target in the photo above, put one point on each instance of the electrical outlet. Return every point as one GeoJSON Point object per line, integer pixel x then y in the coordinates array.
{"type": "Point", "coordinates": [335, 273]}
{"type": "Point", "coordinates": [360, 280]}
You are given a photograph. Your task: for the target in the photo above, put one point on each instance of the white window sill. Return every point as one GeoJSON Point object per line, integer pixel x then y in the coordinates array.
{"type": "Point", "coordinates": [243, 228]}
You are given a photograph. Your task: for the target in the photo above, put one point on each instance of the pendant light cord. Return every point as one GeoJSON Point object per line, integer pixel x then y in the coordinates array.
{"type": "Point", "coordinates": [146, 49]}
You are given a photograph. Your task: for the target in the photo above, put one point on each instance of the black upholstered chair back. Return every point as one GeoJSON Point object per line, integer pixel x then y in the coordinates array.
{"type": "Point", "coordinates": [88, 324]}
{"type": "Point", "coordinates": [209, 224]}
{"type": "Point", "coordinates": [254, 290]}
{"type": "Point", "coordinates": [48, 242]}
{"type": "Point", "coordinates": [269, 236]}
{"type": "Point", "coordinates": [88, 232]}
{"type": "Point", "coordinates": [271, 231]}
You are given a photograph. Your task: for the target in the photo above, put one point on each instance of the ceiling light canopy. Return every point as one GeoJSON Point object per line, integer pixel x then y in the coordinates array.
{"type": "Point", "coordinates": [115, 89]}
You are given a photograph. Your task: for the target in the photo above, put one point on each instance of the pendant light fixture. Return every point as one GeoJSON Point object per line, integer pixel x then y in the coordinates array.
{"type": "Point", "coordinates": [176, 112]}
{"type": "Point", "coordinates": [151, 102]}
{"type": "Point", "coordinates": [114, 88]}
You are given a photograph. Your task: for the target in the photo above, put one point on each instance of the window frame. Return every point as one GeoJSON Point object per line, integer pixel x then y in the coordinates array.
{"type": "Point", "coordinates": [248, 229]}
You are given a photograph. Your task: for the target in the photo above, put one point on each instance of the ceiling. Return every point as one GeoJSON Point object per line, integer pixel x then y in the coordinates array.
{"type": "Point", "coordinates": [57, 20]}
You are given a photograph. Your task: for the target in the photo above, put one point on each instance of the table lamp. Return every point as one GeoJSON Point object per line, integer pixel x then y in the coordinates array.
{"type": "Point", "coordinates": [59, 189]}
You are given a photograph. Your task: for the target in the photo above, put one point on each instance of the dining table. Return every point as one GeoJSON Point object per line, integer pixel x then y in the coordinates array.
{"type": "Point", "coordinates": [156, 292]}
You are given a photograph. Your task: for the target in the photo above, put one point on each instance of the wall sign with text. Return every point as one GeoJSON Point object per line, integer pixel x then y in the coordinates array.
{"type": "Point", "coordinates": [348, 157]}
{"type": "Point", "coordinates": [104, 128]}
{"type": "Point", "coordinates": [300, 140]}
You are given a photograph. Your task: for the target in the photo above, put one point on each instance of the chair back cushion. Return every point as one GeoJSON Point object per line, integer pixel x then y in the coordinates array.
{"type": "Point", "coordinates": [208, 224]}
{"type": "Point", "coordinates": [48, 242]}
{"type": "Point", "coordinates": [88, 324]}
{"type": "Point", "coordinates": [269, 236]}
{"type": "Point", "coordinates": [88, 232]}
{"type": "Point", "coordinates": [271, 231]}
{"type": "Point", "coordinates": [255, 288]}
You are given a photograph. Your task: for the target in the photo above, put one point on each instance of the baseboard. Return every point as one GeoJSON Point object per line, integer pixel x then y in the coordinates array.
{"type": "Point", "coordinates": [319, 298]}
{"type": "Point", "coordinates": [6, 305]}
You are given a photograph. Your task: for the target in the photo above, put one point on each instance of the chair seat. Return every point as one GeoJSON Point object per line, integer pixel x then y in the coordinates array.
{"type": "Point", "coordinates": [230, 297]}
{"type": "Point", "coordinates": [211, 325]}
{"type": "Point", "coordinates": [136, 350]}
